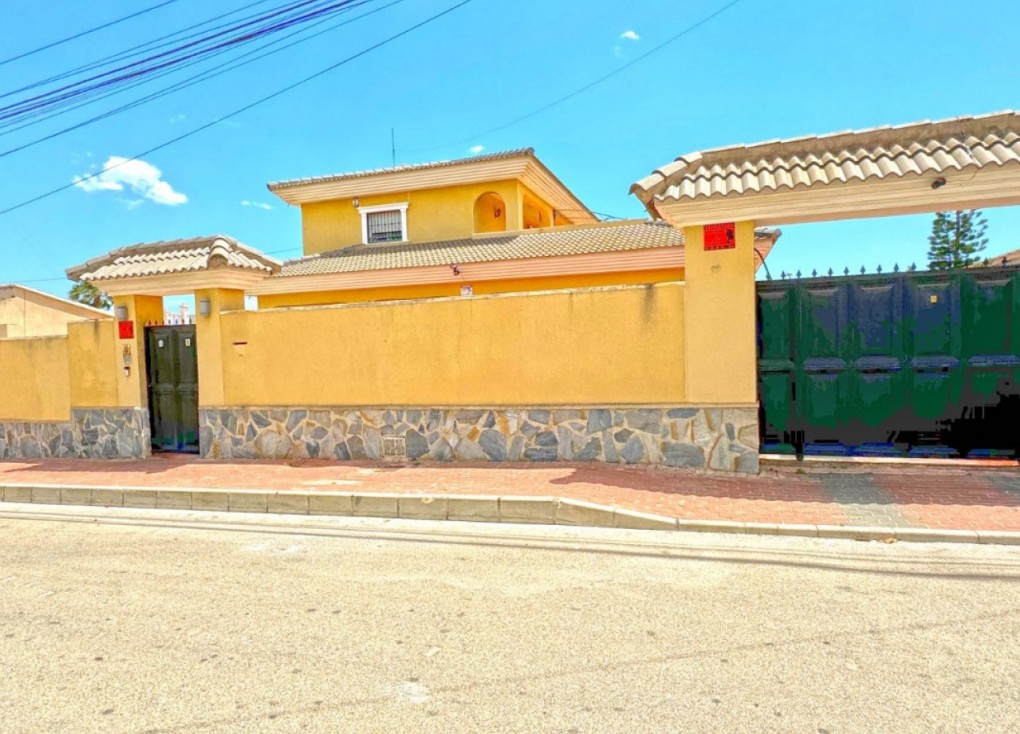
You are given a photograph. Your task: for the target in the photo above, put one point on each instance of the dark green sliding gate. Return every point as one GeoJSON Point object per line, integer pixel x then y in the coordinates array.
{"type": "Point", "coordinates": [172, 362]}
{"type": "Point", "coordinates": [919, 363]}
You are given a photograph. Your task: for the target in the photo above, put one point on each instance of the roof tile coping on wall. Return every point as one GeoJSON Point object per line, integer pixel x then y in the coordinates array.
{"type": "Point", "coordinates": [175, 256]}
{"type": "Point", "coordinates": [878, 152]}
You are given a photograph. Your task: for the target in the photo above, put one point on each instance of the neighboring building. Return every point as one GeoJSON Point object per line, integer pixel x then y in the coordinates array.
{"type": "Point", "coordinates": [26, 312]}
{"type": "Point", "coordinates": [493, 223]}
{"type": "Point", "coordinates": [1004, 258]}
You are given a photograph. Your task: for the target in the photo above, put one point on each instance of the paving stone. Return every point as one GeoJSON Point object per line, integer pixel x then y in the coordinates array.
{"type": "Point", "coordinates": [173, 499]}
{"type": "Point", "coordinates": [642, 520]}
{"type": "Point", "coordinates": [422, 508]}
{"type": "Point", "coordinates": [141, 498]}
{"type": "Point", "coordinates": [473, 508]}
{"type": "Point", "coordinates": [287, 503]}
{"type": "Point", "coordinates": [330, 504]}
{"type": "Point", "coordinates": [75, 496]}
{"type": "Point", "coordinates": [107, 497]}
{"type": "Point", "coordinates": [856, 532]}
{"type": "Point", "coordinates": [377, 505]}
{"type": "Point", "coordinates": [210, 501]}
{"type": "Point", "coordinates": [713, 526]}
{"type": "Point", "coordinates": [46, 495]}
{"type": "Point", "coordinates": [17, 494]}
{"type": "Point", "coordinates": [248, 501]}
{"type": "Point", "coordinates": [578, 512]}
{"type": "Point", "coordinates": [540, 510]}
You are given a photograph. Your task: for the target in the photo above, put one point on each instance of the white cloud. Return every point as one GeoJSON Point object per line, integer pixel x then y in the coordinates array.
{"type": "Point", "coordinates": [476, 149]}
{"type": "Point", "coordinates": [630, 36]}
{"type": "Point", "coordinates": [256, 204]}
{"type": "Point", "coordinates": [178, 118]}
{"type": "Point", "coordinates": [618, 52]}
{"type": "Point", "coordinates": [136, 176]}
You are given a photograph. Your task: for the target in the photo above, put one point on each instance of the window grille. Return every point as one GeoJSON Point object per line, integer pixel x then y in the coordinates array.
{"type": "Point", "coordinates": [385, 226]}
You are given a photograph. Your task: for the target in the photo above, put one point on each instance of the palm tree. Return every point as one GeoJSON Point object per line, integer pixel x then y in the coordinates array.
{"type": "Point", "coordinates": [88, 294]}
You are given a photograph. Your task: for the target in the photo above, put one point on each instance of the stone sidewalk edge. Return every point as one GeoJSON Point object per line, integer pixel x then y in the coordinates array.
{"type": "Point", "coordinates": [470, 508]}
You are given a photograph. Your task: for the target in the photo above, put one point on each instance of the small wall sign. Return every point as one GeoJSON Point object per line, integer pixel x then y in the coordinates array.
{"type": "Point", "coordinates": [720, 236]}
{"type": "Point", "coordinates": [126, 329]}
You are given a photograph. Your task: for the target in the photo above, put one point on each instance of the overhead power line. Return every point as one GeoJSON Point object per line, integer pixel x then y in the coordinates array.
{"type": "Point", "coordinates": [203, 76]}
{"type": "Point", "coordinates": [594, 83]}
{"type": "Point", "coordinates": [57, 109]}
{"type": "Point", "coordinates": [87, 32]}
{"type": "Point", "coordinates": [245, 108]}
{"type": "Point", "coordinates": [132, 51]}
{"type": "Point", "coordinates": [212, 43]}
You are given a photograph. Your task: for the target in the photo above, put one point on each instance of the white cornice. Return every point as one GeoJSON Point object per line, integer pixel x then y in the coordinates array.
{"type": "Point", "coordinates": [182, 283]}
{"type": "Point", "coordinates": [853, 200]}
{"type": "Point", "coordinates": [527, 169]}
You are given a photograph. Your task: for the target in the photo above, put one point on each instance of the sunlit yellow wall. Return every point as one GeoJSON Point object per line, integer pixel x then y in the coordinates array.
{"type": "Point", "coordinates": [722, 358]}
{"type": "Point", "coordinates": [209, 338]}
{"type": "Point", "coordinates": [534, 211]}
{"type": "Point", "coordinates": [92, 361]}
{"type": "Point", "coordinates": [35, 379]}
{"type": "Point", "coordinates": [637, 277]}
{"type": "Point", "coordinates": [586, 347]}
{"type": "Point", "coordinates": [490, 213]}
{"type": "Point", "coordinates": [432, 215]}
{"type": "Point", "coordinates": [28, 315]}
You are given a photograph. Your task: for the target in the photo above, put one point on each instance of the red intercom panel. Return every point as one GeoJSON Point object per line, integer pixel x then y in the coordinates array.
{"type": "Point", "coordinates": [720, 236]}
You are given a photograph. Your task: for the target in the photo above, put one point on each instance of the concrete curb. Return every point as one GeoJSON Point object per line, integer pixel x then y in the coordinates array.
{"type": "Point", "coordinates": [471, 508]}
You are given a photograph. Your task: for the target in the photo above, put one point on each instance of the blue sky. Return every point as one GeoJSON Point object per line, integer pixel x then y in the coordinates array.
{"type": "Point", "coordinates": [761, 70]}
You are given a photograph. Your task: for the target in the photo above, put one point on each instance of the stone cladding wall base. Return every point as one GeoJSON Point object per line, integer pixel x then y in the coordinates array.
{"type": "Point", "coordinates": [721, 439]}
{"type": "Point", "coordinates": [92, 433]}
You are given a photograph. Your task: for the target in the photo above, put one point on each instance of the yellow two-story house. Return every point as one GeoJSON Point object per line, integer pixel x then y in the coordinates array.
{"type": "Point", "coordinates": [494, 223]}
{"type": "Point", "coordinates": [473, 309]}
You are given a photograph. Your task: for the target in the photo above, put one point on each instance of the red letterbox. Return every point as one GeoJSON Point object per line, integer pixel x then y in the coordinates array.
{"type": "Point", "coordinates": [720, 236]}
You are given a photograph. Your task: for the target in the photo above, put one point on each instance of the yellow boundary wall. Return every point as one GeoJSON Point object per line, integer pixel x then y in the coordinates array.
{"type": "Point", "coordinates": [44, 377]}
{"type": "Point", "coordinates": [598, 346]}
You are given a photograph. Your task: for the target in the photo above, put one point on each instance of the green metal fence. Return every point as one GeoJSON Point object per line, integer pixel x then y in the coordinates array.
{"type": "Point", "coordinates": [921, 363]}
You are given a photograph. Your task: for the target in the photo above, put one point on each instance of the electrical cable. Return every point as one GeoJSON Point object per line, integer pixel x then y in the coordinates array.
{"type": "Point", "coordinates": [89, 31]}
{"type": "Point", "coordinates": [57, 109]}
{"type": "Point", "coordinates": [584, 88]}
{"type": "Point", "coordinates": [173, 56]}
{"type": "Point", "coordinates": [127, 53]}
{"type": "Point", "coordinates": [193, 80]}
{"type": "Point", "coordinates": [245, 108]}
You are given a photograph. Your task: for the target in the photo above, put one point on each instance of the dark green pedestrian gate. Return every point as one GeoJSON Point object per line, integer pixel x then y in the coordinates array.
{"type": "Point", "coordinates": [918, 363]}
{"type": "Point", "coordinates": [172, 361]}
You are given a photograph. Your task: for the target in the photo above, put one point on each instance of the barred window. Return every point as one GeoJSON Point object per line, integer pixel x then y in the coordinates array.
{"type": "Point", "coordinates": [384, 226]}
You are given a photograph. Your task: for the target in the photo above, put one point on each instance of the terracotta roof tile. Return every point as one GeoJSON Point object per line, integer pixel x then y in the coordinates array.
{"type": "Point", "coordinates": [918, 148]}
{"type": "Point", "coordinates": [580, 240]}
{"type": "Point", "coordinates": [174, 256]}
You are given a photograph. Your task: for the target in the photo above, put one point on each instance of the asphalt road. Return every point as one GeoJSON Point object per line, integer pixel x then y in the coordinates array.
{"type": "Point", "coordinates": [151, 621]}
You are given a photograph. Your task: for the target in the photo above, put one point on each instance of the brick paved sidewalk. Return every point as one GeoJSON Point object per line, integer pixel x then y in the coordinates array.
{"type": "Point", "coordinates": [944, 497]}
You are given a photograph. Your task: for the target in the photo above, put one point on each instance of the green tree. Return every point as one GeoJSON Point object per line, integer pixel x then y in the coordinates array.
{"type": "Point", "coordinates": [956, 239]}
{"type": "Point", "coordinates": [88, 294]}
